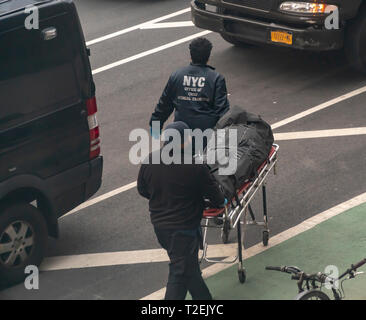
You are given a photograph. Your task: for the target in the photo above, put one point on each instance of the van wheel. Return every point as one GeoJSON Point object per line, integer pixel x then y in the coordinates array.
{"type": "Point", "coordinates": [23, 237]}
{"type": "Point", "coordinates": [355, 45]}
{"type": "Point", "coordinates": [235, 41]}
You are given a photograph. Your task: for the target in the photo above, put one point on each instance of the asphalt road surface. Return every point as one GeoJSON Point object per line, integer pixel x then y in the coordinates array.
{"type": "Point", "coordinates": [314, 174]}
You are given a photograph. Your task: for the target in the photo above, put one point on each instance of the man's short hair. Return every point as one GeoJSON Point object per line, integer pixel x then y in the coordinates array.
{"type": "Point", "coordinates": [200, 49]}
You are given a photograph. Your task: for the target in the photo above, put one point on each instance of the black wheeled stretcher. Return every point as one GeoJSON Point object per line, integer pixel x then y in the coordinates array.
{"type": "Point", "coordinates": [235, 214]}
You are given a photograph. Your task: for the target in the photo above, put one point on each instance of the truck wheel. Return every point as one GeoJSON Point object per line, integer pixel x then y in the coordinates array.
{"type": "Point", "coordinates": [235, 41]}
{"type": "Point", "coordinates": [355, 45]}
{"type": "Point", "coordinates": [23, 237]}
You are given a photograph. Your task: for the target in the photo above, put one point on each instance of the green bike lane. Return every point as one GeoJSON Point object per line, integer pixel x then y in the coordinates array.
{"type": "Point", "coordinates": [337, 239]}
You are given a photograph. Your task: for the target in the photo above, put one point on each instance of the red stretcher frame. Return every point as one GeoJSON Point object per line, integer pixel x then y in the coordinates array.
{"type": "Point", "coordinates": [235, 215]}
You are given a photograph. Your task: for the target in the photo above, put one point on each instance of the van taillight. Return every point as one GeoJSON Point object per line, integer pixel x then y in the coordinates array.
{"type": "Point", "coordinates": [91, 105]}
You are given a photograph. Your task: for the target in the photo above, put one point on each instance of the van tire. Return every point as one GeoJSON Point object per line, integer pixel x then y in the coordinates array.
{"type": "Point", "coordinates": [24, 231]}
{"type": "Point", "coordinates": [355, 44]}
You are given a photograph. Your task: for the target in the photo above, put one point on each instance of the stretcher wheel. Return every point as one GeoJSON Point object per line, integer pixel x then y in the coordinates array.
{"type": "Point", "coordinates": [225, 232]}
{"type": "Point", "coordinates": [242, 275]}
{"type": "Point", "coordinates": [265, 238]}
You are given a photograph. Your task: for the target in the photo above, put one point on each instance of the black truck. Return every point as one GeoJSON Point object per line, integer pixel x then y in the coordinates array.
{"type": "Point", "coordinates": [50, 158]}
{"type": "Point", "coordinates": [321, 25]}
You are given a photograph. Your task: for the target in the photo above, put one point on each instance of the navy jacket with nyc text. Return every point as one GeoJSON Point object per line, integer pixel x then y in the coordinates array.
{"type": "Point", "coordinates": [198, 95]}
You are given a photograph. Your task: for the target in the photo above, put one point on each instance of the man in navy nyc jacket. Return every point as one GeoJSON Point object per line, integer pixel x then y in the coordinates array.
{"type": "Point", "coordinates": [197, 92]}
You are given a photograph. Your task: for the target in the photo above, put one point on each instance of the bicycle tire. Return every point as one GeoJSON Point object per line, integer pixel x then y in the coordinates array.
{"type": "Point", "coordinates": [312, 295]}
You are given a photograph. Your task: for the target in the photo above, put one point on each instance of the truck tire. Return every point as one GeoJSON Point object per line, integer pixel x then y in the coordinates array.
{"type": "Point", "coordinates": [23, 238]}
{"type": "Point", "coordinates": [355, 44]}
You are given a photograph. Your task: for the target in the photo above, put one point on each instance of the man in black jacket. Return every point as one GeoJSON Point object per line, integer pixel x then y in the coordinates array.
{"type": "Point", "coordinates": [176, 194]}
{"type": "Point", "coordinates": [197, 92]}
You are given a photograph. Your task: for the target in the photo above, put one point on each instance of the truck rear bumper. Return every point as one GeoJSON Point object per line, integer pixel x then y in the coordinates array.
{"type": "Point", "coordinates": [257, 31]}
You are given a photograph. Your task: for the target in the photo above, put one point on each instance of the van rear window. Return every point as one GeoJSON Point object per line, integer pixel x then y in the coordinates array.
{"type": "Point", "coordinates": [36, 76]}
{"type": "Point", "coordinates": [30, 95]}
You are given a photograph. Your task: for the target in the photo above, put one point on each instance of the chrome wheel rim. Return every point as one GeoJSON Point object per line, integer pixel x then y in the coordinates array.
{"type": "Point", "coordinates": [16, 243]}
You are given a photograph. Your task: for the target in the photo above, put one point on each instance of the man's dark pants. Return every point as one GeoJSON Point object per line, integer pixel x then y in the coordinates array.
{"type": "Point", "coordinates": [184, 270]}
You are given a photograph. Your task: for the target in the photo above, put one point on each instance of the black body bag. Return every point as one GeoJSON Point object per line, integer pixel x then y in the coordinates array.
{"type": "Point", "coordinates": [254, 143]}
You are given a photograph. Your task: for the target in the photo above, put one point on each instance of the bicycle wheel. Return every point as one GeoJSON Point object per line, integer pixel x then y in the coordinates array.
{"type": "Point", "coordinates": [312, 295]}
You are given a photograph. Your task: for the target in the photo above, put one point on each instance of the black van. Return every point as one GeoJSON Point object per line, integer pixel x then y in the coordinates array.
{"type": "Point", "coordinates": [296, 24]}
{"type": "Point", "coordinates": [49, 136]}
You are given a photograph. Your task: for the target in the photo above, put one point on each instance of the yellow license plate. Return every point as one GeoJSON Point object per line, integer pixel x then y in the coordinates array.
{"type": "Point", "coordinates": [281, 37]}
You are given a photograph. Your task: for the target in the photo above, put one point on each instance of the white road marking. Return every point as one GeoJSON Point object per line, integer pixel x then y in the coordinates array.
{"type": "Point", "coordinates": [123, 258]}
{"type": "Point", "coordinates": [102, 197]}
{"type": "Point", "coordinates": [151, 51]}
{"type": "Point", "coordinates": [277, 239]}
{"type": "Point", "coordinates": [165, 25]}
{"type": "Point", "coordinates": [319, 134]}
{"type": "Point", "coordinates": [319, 107]}
{"type": "Point", "coordinates": [136, 27]}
